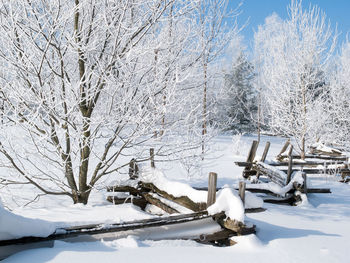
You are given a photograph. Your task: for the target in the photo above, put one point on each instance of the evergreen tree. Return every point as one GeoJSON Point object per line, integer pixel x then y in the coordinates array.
{"type": "Point", "coordinates": [241, 98]}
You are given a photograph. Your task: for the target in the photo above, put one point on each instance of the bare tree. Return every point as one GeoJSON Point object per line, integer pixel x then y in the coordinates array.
{"type": "Point", "coordinates": [292, 56]}
{"type": "Point", "coordinates": [79, 90]}
{"type": "Point", "coordinates": [214, 36]}
{"type": "Point", "coordinates": [338, 127]}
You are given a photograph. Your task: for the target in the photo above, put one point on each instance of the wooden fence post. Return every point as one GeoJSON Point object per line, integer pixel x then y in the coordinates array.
{"type": "Point", "coordinates": [263, 157]}
{"type": "Point", "coordinates": [266, 150]}
{"type": "Point", "coordinates": [133, 169]}
{"type": "Point", "coordinates": [151, 152]}
{"type": "Point", "coordinates": [305, 184]}
{"type": "Point", "coordinates": [290, 164]}
{"type": "Point", "coordinates": [241, 191]}
{"type": "Point", "coordinates": [211, 189]}
{"type": "Point", "coordinates": [284, 148]}
{"type": "Point", "coordinates": [250, 157]}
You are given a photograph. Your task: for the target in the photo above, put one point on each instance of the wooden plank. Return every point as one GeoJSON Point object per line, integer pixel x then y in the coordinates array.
{"type": "Point", "coordinates": [280, 200]}
{"type": "Point", "coordinates": [251, 156]}
{"type": "Point", "coordinates": [254, 210]}
{"type": "Point", "coordinates": [263, 191]}
{"type": "Point", "coordinates": [222, 234]}
{"type": "Point", "coordinates": [290, 164]}
{"type": "Point", "coordinates": [266, 150]}
{"type": "Point", "coordinates": [138, 201]}
{"type": "Point", "coordinates": [225, 233]}
{"type": "Point", "coordinates": [157, 202]}
{"type": "Point", "coordinates": [321, 157]}
{"type": "Point", "coordinates": [305, 183]}
{"type": "Point", "coordinates": [263, 157]}
{"type": "Point", "coordinates": [182, 200]}
{"type": "Point", "coordinates": [299, 164]}
{"type": "Point", "coordinates": [319, 191]}
{"type": "Point", "coordinates": [93, 229]}
{"type": "Point", "coordinates": [284, 148]}
{"type": "Point", "coordinates": [211, 189]}
{"type": "Point", "coordinates": [273, 175]}
{"type": "Point", "coordinates": [124, 189]}
{"type": "Point", "coordinates": [241, 191]}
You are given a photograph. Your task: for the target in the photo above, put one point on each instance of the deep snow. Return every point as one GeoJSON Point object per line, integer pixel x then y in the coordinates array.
{"type": "Point", "coordinates": [316, 231]}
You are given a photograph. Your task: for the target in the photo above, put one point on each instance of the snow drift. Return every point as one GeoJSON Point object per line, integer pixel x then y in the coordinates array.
{"type": "Point", "coordinates": [14, 226]}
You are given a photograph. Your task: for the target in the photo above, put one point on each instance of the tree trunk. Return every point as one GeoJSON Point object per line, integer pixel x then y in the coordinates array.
{"type": "Point", "coordinates": [81, 197]}
{"type": "Point", "coordinates": [204, 125]}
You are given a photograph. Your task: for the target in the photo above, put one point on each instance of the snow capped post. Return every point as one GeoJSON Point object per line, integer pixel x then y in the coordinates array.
{"type": "Point", "coordinates": [211, 189]}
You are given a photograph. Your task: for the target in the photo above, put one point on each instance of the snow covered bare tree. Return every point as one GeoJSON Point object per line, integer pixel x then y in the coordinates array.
{"type": "Point", "coordinates": [213, 37]}
{"type": "Point", "coordinates": [291, 58]}
{"type": "Point", "coordinates": [339, 106]}
{"type": "Point", "coordinates": [86, 82]}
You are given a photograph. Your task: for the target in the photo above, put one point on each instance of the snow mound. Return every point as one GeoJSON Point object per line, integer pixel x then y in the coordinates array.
{"type": "Point", "coordinates": [177, 189]}
{"type": "Point", "coordinates": [229, 202]}
{"type": "Point", "coordinates": [253, 201]}
{"type": "Point", "coordinates": [275, 188]}
{"type": "Point", "coordinates": [323, 148]}
{"type": "Point", "coordinates": [14, 226]}
{"type": "Point", "coordinates": [128, 242]}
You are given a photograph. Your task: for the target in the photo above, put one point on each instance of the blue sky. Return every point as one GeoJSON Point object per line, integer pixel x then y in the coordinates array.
{"type": "Point", "coordinates": [337, 11]}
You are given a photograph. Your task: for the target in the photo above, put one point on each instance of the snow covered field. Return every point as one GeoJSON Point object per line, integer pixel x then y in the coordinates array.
{"type": "Point", "coordinates": [316, 231]}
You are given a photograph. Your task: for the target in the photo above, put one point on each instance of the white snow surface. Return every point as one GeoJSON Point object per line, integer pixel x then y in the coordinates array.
{"type": "Point", "coordinates": [252, 201]}
{"type": "Point", "coordinates": [315, 231]}
{"type": "Point", "coordinates": [228, 201]}
{"type": "Point", "coordinates": [14, 226]}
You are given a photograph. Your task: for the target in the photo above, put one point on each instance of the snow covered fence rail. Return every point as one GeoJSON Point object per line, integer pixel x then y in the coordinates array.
{"type": "Point", "coordinates": [175, 197]}
{"type": "Point", "coordinates": [327, 160]}
{"type": "Point", "coordinates": [165, 195]}
{"type": "Point", "coordinates": [91, 229]}
{"type": "Point", "coordinates": [97, 231]}
{"type": "Point", "coordinates": [286, 184]}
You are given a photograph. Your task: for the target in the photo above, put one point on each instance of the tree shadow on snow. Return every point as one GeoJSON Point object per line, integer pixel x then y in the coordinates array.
{"type": "Point", "coordinates": [267, 232]}
{"type": "Point", "coordinates": [46, 254]}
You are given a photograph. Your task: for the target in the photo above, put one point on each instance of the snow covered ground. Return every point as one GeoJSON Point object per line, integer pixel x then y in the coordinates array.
{"type": "Point", "coordinates": [316, 231]}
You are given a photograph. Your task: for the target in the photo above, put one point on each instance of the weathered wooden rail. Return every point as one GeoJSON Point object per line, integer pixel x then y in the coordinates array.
{"type": "Point", "coordinates": [93, 232]}
{"type": "Point", "coordinates": [281, 172]}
